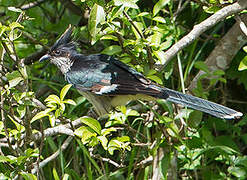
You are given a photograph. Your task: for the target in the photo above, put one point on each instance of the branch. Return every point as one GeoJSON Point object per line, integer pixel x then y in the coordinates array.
{"type": "Point", "coordinates": [35, 56]}
{"type": "Point", "coordinates": [72, 7]}
{"type": "Point", "coordinates": [107, 160]}
{"type": "Point", "coordinates": [202, 27]}
{"type": "Point", "coordinates": [31, 5]}
{"type": "Point", "coordinates": [149, 50]}
{"type": "Point", "coordinates": [224, 52]}
{"type": "Point", "coordinates": [53, 156]}
{"type": "Point", "coordinates": [61, 129]}
{"type": "Point", "coordinates": [144, 163]}
{"type": "Point", "coordinates": [76, 10]}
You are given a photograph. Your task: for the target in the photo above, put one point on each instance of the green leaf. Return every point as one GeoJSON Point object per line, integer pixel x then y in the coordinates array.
{"type": "Point", "coordinates": [1, 126]}
{"type": "Point", "coordinates": [173, 129]}
{"type": "Point", "coordinates": [119, 143]}
{"type": "Point", "coordinates": [123, 139]}
{"type": "Point", "coordinates": [202, 66]}
{"type": "Point", "coordinates": [97, 16]}
{"type": "Point", "coordinates": [103, 140]}
{"type": "Point", "coordinates": [243, 64]}
{"type": "Point", "coordinates": [213, 1]}
{"type": "Point", "coordinates": [159, 19]}
{"type": "Point", "coordinates": [116, 13]}
{"type": "Point", "coordinates": [23, 72]}
{"type": "Point", "coordinates": [107, 131]}
{"type": "Point", "coordinates": [14, 82]}
{"type": "Point", "coordinates": [14, 25]}
{"type": "Point", "coordinates": [21, 109]}
{"type": "Point", "coordinates": [212, 9]}
{"type": "Point", "coordinates": [79, 131]}
{"type": "Point", "coordinates": [143, 14]}
{"type": "Point", "coordinates": [126, 3]}
{"type": "Point", "coordinates": [160, 55]}
{"type": "Point", "coordinates": [195, 119]}
{"type": "Point", "coordinates": [237, 172]}
{"type": "Point", "coordinates": [62, 107]}
{"type": "Point", "coordinates": [155, 39]}
{"type": "Point", "coordinates": [32, 152]}
{"type": "Point", "coordinates": [184, 113]}
{"type": "Point", "coordinates": [4, 159]}
{"type": "Point", "coordinates": [131, 112]}
{"type": "Point", "coordinates": [53, 99]}
{"type": "Point", "coordinates": [3, 29]}
{"type": "Point", "coordinates": [9, 158]}
{"type": "Point", "coordinates": [219, 72]}
{"type": "Point", "coordinates": [111, 50]}
{"type": "Point", "coordinates": [245, 49]}
{"type": "Point", "coordinates": [18, 126]}
{"type": "Point", "coordinates": [14, 78]}
{"type": "Point", "coordinates": [92, 123]}
{"type": "Point", "coordinates": [55, 174]}
{"type": "Point", "coordinates": [139, 26]}
{"type": "Point", "coordinates": [65, 177]}
{"type": "Point", "coordinates": [167, 106]}
{"type": "Point", "coordinates": [123, 109]}
{"type": "Point", "coordinates": [155, 78]}
{"type": "Point", "coordinates": [151, 72]}
{"type": "Point", "coordinates": [64, 91]}
{"type": "Point", "coordinates": [69, 101]}
{"type": "Point", "coordinates": [52, 120]}
{"type": "Point", "coordinates": [109, 37]}
{"type": "Point", "coordinates": [85, 133]}
{"type": "Point", "coordinates": [159, 5]}
{"type": "Point", "coordinates": [28, 176]}
{"type": "Point", "coordinates": [165, 45]}
{"type": "Point", "coordinates": [41, 115]}
{"type": "Point", "coordinates": [112, 146]}
{"type": "Point", "coordinates": [58, 112]}
{"type": "Point", "coordinates": [165, 164]}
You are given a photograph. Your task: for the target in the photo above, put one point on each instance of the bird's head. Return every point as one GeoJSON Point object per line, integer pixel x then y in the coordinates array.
{"type": "Point", "coordinates": [62, 52]}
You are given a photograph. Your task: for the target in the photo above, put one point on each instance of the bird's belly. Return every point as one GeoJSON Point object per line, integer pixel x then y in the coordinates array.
{"type": "Point", "coordinates": [121, 100]}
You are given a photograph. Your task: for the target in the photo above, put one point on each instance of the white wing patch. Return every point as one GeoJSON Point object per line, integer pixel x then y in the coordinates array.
{"type": "Point", "coordinates": [107, 89]}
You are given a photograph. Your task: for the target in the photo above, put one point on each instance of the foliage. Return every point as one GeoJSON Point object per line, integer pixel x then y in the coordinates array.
{"type": "Point", "coordinates": [136, 141]}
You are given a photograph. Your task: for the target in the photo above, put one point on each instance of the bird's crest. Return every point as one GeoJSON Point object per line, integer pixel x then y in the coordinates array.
{"type": "Point", "coordinates": [64, 38]}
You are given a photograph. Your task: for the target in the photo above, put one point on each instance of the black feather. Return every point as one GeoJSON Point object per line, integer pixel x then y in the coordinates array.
{"type": "Point", "coordinates": [64, 38]}
{"type": "Point", "coordinates": [104, 75]}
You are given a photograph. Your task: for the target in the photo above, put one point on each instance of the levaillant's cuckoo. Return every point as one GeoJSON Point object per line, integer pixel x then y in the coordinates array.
{"type": "Point", "coordinates": [106, 81]}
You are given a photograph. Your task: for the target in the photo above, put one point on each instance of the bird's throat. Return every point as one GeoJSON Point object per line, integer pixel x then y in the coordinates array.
{"type": "Point", "coordinates": [63, 63]}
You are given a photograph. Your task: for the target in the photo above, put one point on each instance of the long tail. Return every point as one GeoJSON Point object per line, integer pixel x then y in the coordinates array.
{"type": "Point", "coordinates": [201, 104]}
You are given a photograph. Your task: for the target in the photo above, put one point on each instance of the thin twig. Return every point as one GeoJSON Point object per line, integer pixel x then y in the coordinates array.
{"type": "Point", "coordinates": [134, 131]}
{"type": "Point", "coordinates": [41, 146]}
{"type": "Point", "coordinates": [34, 41]}
{"type": "Point", "coordinates": [180, 8]}
{"type": "Point", "coordinates": [61, 129]}
{"type": "Point", "coordinates": [107, 160]}
{"type": "Point", "coordinates": [53, 156]}
{"type": "Point", "coordinates": [144, 162]}
{"type": "Point", "coordinates": [149, 50]}
{"type": "Point", "coordinates": [202, 27]}
{"type": "Point", "coordinates": [141, 144]}
{"type": "Point", "coordinates": [31, 5]}
{"type": "Point", "coordinates": [220, 58]}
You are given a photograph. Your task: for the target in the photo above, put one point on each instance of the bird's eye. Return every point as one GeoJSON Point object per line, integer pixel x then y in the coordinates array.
{"type": "Point", "coordinates": [57, 52]}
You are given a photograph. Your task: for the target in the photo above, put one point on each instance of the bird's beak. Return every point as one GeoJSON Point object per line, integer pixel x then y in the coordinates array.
{"type": "Point", "coordinates": [45, 57]}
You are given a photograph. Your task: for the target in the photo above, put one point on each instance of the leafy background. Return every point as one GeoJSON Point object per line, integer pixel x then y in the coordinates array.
{"type": "Point", "coordinates": [49, 131]}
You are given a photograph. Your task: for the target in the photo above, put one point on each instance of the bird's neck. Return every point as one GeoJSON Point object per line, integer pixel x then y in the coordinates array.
{"type": "Point", "coordinates": [63, 63]}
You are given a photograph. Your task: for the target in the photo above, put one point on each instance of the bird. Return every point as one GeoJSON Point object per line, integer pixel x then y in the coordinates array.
{"type": "Point", "coordinates": [107, 82]}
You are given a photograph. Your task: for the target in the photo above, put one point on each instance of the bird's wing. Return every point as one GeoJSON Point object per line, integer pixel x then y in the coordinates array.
{"type": "Point", "coordinates": [105, 75]}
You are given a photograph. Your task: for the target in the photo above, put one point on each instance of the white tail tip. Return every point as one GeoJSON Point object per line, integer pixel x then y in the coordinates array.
{"type": "Point", "coordinates": [236, 115]}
